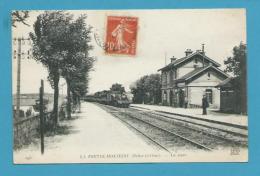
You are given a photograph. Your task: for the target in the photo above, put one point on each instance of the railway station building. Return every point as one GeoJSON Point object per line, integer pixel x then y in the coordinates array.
{"type": "Point", "coordinates": [186, 80]}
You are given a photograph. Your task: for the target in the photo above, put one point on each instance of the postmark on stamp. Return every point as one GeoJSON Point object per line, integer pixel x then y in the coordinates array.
{"type": "Point", "coordinates": [121, 35]}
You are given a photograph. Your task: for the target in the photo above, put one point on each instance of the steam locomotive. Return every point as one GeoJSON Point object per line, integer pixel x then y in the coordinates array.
{"type": "Point", "coordinates": [113, 98]}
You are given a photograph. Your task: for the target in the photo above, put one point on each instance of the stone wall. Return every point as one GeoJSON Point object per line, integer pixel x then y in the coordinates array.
{"type": "Point", "coordinates": [26, 129]}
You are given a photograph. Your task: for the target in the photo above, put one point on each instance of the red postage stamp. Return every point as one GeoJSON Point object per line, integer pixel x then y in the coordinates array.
{"type": "Point", "coordinates": [121, 35]}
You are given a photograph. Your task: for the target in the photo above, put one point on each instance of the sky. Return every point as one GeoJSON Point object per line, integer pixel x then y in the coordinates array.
{"type": "Point", "coordinates": [161, 34]}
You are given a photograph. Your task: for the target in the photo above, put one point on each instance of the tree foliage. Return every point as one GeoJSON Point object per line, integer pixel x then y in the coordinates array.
{"type": "Point", "coordinates": [78, 63]}
{"type": "Point", "coordinates": [61, 44]}
{"type": "Point", "coordinates": [237, 63]}
{"type": "Point", "coordinates": [19, 17]}
{"type": "Point", "coordinates": [50, 47]}
{"type": "Point", "coordinates": [147, 89]}
{"type": "Point", "coordinates": [50, 38]}
{"type": "Point", "coordinates": [117, 87]}
{"type": "Point", "coordinates": [237, 66]}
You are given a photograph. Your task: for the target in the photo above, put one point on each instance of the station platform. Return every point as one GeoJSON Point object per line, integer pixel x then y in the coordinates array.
{"type": "Point", "coordinates": [91, 136]}
{"type": "Point", "coordinates": [212, 114]}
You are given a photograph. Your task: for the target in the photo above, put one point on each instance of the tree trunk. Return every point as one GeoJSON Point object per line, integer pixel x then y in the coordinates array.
{"type": "Point", "coordinates": [79, 105]}
{"type": "Point", "coordinates": [68, 100]}
{"type": "Point", "coordinates": [56, 99]}
{"type": "Point", "coordinates": [78, 102]}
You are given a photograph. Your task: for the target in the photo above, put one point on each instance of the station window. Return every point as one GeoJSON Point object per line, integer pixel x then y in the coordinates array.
{"type": "Point", "coordinates": [209, 95]}
{"type": "Point", "coordinates": [175, 74]}
{"type": "Point", "coordinates": [165, 95]}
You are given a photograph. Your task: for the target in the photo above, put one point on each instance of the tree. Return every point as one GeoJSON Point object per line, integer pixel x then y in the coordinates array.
{"type": "Point", "coordinates": [19, 17]}
{"type": "Point", "coordinates": [138, 90]}
{"type": "Point", "coordinates": [117, 87]}
{"type": "Point", "coordinates": [237, 65]}
{"type": "Point", "coordinates": [50, 48]}
{"type": "Point", "coordinates": [77, 83]}
{"type": "Point", "coordinates": [77, 64]}
{"type": "Point", "coordinates": [147, 89]}
{"type": "Point", "coordinates": [153, 87]}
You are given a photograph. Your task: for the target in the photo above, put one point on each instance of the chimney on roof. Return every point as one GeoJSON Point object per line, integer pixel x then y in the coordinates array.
{"type": "Point", "coordinates": [173, 59]}
{"type": "Point", "coordinates": [203, 53]}
{"type": "Point", "coordinates": [203, 49]}
{"type": "Point", "coordinates": [200, 51]}
{"type": "Point", "coordinates": [188, 52]}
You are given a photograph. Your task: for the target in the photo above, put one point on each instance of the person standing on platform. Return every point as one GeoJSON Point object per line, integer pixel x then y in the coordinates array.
{"type": "Point", "coordinates": [205, 104]}
{"type": "Point", "coordinates": [185, 102]}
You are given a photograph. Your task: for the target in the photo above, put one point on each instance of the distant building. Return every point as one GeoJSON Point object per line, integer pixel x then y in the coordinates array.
{"type": "Point", "coordinates": [188, 78]}
{"type": "Point", "coordinates": [28, 102]}
{"type": "Point", "coordinates": [30, 99]}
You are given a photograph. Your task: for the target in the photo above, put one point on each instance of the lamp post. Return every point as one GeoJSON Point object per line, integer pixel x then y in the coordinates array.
{"type": "Point", "coordinates": [19, 54]}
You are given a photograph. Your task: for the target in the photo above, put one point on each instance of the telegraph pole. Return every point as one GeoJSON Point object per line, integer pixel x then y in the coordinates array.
{"type": "Point", "coordinates": [42, 116]}
{"type": "Point", "coordinates": [18, 78]}
{"type": "Point", "coordinates": [18, 86]}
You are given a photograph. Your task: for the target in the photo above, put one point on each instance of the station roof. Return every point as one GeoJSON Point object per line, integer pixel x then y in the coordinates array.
{"type": "Point", "coordinates": [181, 60]}
{"type": "Point", "coordinates": [227, 82]}
{"type": "Point", "coordinates": [198, 71]}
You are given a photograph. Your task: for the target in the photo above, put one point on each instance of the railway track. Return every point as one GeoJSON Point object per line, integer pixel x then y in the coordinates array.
{"type": "Point", "coordinates": [228, 136]}
{"type": "Point", "coordinates": [238, 130]}
{"type": "Point", "coordinates": [176, 136]}
{"type": "Point", "coordinates": [167, 140]}
{"type": "Point", "coordinates": [146, 136]}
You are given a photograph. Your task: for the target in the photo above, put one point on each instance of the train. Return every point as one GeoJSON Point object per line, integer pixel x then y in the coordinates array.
{"type": "Point", "coordinates": [112, 98]}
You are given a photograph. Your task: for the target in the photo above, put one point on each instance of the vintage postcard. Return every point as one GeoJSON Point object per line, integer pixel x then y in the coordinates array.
{"type": "Point", "coordinates": [129, 86]}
